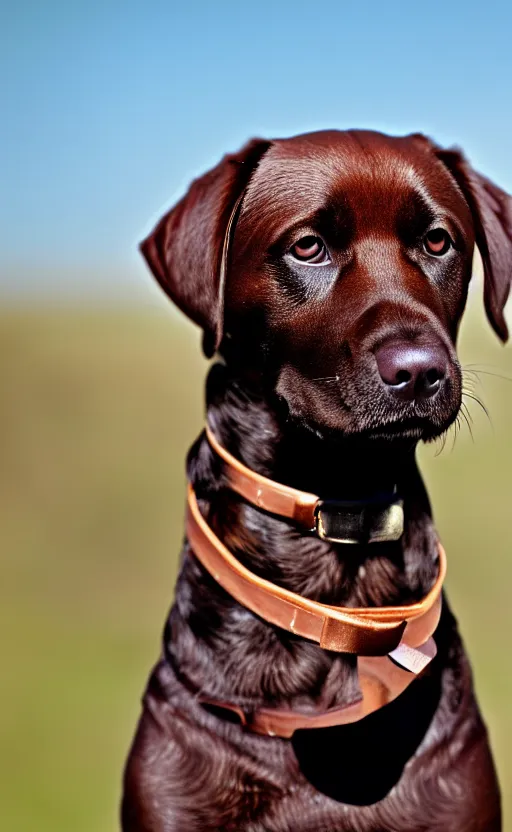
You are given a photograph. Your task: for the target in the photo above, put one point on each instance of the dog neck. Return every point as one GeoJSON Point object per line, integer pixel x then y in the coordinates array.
{"type": "Point", "coordinates": [248, 424]}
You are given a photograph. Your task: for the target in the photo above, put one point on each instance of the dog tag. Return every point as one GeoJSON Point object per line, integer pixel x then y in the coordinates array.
{"type": "Point", "coordinates": [414, 659]}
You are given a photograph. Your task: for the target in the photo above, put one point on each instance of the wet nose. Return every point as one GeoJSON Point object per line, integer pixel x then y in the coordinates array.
{"type": "Point", "coordinates": [412, 371]}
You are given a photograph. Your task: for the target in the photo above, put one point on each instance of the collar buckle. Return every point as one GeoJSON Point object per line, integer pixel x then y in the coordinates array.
{"type": "Point", "coordinates": [359, 522]}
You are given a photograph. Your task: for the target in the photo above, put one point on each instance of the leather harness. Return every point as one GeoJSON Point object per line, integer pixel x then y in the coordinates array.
{"type": "Point", "coordinates": [393, 644]}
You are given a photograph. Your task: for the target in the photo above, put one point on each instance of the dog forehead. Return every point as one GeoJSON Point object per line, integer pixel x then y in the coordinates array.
{"type": "Point", "coordinates": [302, 175]}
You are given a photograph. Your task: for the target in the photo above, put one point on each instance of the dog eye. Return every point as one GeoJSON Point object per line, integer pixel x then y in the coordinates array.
{"type": "Point", "coordinates": [310, 249]}
{"type": "Point", "coordinates": [437, 242]}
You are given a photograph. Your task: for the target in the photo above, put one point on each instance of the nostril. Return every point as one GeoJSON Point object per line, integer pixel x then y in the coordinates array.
{"type": "Point", "coordinates": [434, 376]}
{"type": "Point", "coordinates": [403, 377]}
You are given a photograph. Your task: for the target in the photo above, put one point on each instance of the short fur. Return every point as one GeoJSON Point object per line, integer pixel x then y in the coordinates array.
{"type": "Point", "coordinates": [298, 398]}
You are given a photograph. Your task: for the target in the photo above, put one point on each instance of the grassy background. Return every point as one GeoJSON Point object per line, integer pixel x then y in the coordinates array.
{"type": "Point", "coordinates": [97, 409]}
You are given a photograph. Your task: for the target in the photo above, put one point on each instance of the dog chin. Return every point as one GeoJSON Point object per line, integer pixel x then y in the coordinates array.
{"type": "Point", "coordinates": [412, 430]}
{"type": "Point", "coordinates": [342, 423]}
{"type": "Point", "coordinates": [417, 431]}
{"type": "Point", "coordinates": [409, 431]}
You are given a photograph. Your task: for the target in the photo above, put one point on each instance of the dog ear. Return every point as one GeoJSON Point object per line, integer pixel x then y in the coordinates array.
{"type": "Point", "coordinates": [188, 250]}
{"type": "Point", "coordinates": [492, 215]}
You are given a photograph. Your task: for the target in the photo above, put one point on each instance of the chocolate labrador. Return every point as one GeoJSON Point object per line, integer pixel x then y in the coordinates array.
{"type": "Point", "coordinates": [330, 272]}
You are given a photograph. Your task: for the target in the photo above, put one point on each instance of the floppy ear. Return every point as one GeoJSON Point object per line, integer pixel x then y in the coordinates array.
{"type": "Point", "coordinates": [492, 215]}
{"type": "Point", "coordinates": [188, 250]}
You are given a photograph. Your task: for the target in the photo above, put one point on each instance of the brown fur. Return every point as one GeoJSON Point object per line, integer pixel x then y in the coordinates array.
{"type": "Point", "coordinates": [299, 398]}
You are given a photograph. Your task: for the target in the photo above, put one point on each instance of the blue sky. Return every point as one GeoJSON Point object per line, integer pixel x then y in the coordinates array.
{"type": "Point", "coordinates": [109, 109]}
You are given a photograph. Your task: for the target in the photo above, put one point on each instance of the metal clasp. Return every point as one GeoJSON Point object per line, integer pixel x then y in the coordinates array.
{"type": "Point", "coordinates": [357, 522]}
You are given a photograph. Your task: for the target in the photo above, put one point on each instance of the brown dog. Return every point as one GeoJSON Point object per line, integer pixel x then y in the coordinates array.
{"type": "Point", "coordinates": [330, 270]}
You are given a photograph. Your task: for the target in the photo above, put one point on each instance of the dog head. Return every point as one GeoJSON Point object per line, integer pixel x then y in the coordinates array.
{"type": "Point", "coordinates": [335, 267]}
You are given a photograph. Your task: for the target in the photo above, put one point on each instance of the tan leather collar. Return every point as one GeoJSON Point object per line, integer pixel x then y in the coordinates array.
{"type": "Point", "coordinates": [367, 631]}
{"type": "Point", "coordinates": [393, 644]}
{"type": "Point", "coordinates": [339, 522]}
{"type": "Point", "coordinates": [404, 633]}
{"type": "Point", "coordinates": [381, 681]}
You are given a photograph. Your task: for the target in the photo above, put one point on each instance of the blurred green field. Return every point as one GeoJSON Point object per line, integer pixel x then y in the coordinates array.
{"type": "Point", "coordinates": [98, 407]}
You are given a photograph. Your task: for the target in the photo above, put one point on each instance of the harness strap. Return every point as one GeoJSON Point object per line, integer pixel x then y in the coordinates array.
{"type": "Point", "coordinates": [380, 681]}
{"type": "Point", "coordinates": [393, 644]}
{"type": "Point", "coordinates": [404, 633]}
{"type": "Point", "coordinates": [366, 631]}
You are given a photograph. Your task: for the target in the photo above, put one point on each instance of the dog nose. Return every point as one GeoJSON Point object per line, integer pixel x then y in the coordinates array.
{"type": "Point", "coordinates": [412, 370]}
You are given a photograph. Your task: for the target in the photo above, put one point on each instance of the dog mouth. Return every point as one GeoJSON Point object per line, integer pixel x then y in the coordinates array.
{"type": "Point", "coordinates": [401, 430]}
{"type": "Point", "coordinates": [393, 428]}
{"type": "Point", "coordinates": [415, 429]}
{"type": "Point", "coordinates": [345, 409]}
{"type": "Point", "coordinates": [416, 421]}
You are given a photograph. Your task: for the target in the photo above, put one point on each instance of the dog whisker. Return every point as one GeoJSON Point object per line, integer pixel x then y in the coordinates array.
{"type": "Point", "coordinates": [467, 411]}
{"type": "Point", "coordinates": [456, 430]}
{"type": "Point", "coordinates": [479, 371]}
{"type": "Point", "coordinates": [465, 415]}
{"type": "Point", "coordinates": [471, 383]}
{"type": "Point", "coordinates": [442, 440]}
{"type": "Point", "coordinates": [480, 403]}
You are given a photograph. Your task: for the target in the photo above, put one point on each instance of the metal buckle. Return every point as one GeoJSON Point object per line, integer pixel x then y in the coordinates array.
{"type": "Point", "coordinates": [414, 659]}
{"type": "Point", "coordinates": [356, 522]}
